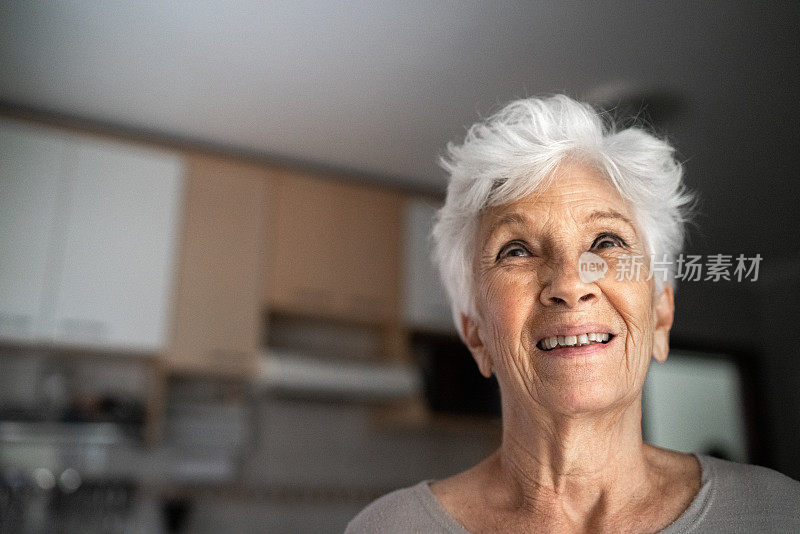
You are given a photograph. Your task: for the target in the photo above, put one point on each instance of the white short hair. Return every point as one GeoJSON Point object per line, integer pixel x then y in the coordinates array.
{"type": "Point", "coordinates": [515, 151]}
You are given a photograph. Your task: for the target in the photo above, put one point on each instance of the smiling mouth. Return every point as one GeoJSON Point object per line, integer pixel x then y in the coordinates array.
{"type": "Point", "coordinates": [580, 340]}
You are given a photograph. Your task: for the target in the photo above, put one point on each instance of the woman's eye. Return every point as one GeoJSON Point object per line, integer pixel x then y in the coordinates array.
{"type": "Point", "coordinates": [608, 240]}
{"type": "Point", "coordinates": [513, 250]}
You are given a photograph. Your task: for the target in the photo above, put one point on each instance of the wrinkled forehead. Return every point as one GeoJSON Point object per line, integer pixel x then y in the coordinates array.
{"type": "Point", "coordinates": [575, 194]}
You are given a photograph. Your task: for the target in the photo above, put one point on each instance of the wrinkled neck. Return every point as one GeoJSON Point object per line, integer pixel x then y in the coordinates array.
{"type": "Point", "coordinates": [578, 464]}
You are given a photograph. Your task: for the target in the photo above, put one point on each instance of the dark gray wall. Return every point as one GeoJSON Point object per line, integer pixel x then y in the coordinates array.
{"type": "Point", "coordinates": [740, 141]}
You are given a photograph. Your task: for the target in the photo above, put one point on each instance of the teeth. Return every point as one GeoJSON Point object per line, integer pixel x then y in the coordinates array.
{"type": "Point", "coordinates": [572, 341]}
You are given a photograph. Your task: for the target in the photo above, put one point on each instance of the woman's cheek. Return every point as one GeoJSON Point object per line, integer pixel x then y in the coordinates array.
{"type": "Point", "coordinates": [633, 303]}
{"type": "Point", "coordinates": [496, 296]}
{"type": "Point", "coordinates": [505, 309]}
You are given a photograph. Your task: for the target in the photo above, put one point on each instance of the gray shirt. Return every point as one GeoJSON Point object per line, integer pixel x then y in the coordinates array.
{"type": "Point", "coordinates": [732, 498]}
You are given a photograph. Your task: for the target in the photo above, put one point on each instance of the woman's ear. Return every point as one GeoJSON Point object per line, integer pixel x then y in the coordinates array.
{"type": "Point", "coordinates": [474, 342]}
{"type": "Point", "coordinates": [665, 311]}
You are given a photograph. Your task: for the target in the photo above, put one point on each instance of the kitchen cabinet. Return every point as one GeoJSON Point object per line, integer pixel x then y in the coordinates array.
{"type": "Point", "coordinates": [337, 250]}
{"type": "Point", "coordinates": [119, 238]}
{"type": "Point", "coordinates": [31, 162]}
{"type": "Point", "coordinates": [217, 308]}
{"type": "Point", "coordinates": [426, 305]}
{"type": "Point", "coordinates": [88, 239]}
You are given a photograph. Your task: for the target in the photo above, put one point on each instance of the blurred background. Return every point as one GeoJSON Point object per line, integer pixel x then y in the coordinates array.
{"type": "Point", "coordinates": [217, 311]}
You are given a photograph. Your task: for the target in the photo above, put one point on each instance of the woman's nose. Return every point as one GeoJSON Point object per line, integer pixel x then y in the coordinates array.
{"type": "Point", "coordinates": [565, 287]}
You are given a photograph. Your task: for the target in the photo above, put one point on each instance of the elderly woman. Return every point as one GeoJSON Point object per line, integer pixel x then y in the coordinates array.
{"type": "Point", "coordinates": [538, 194]}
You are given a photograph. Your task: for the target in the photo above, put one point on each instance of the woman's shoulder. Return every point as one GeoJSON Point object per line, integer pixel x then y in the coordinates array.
{"type": "Point", "coordinates": [751, 480]}
{"type": "Point", "coordinates": [389, 512]}
{"type": "Point", "coordinates": [750, 494]}
{"type": "Point", "coordinates": [411, 509]}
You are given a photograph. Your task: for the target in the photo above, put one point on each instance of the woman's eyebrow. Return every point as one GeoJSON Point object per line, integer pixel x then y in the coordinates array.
{"type": "Point", "coordinates": [608, 214]}
{"type": "Point", "coordinates": [505, 219]}
{"type": "Point", "coordinates": [497, 222]}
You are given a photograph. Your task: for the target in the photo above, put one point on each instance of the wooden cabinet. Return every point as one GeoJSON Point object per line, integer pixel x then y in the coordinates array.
{"type": "Point", "coordinates": [337, 250]}
{"type": "Point", "coordinates": [217, 306]}
{"type": "Point", "coordinates": [426, 306]}
{"type": "Point", "coordinates": [88, 232]}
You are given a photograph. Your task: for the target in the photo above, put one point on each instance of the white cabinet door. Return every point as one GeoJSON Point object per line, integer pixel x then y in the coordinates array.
{"type": "Point", "coordinates": [31, 162]}
{"type": "Point", "coordinates": [426, 303]}
{"type": "Point", "coordinates": [119, 239]}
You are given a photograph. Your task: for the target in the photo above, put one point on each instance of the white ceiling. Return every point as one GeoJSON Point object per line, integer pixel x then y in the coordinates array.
{"type": "Point", "coordinates": [376, 87]}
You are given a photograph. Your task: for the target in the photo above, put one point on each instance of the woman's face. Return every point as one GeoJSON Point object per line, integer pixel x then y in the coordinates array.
{"type": "Point", "coordinates": [530, 295]}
